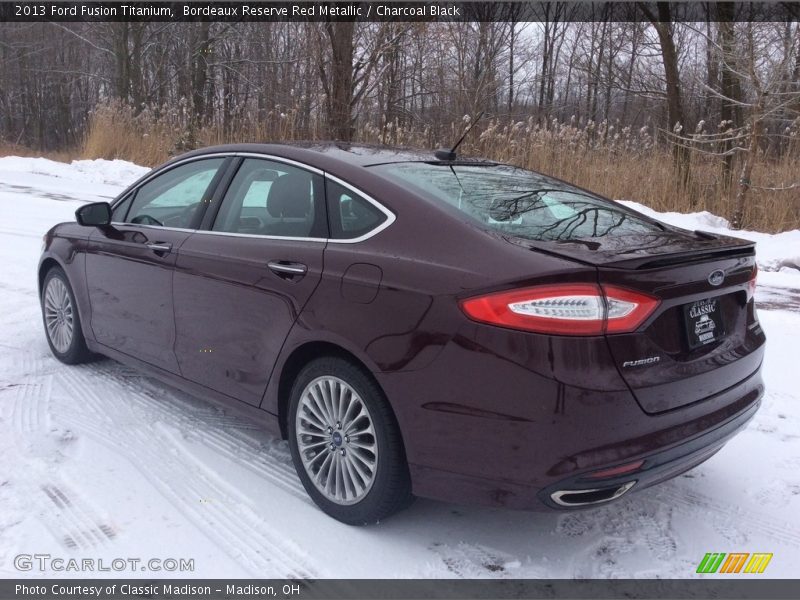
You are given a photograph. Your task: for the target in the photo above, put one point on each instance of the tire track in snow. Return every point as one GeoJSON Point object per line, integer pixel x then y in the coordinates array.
{"type": "Point", "coordinates": [29, 405]}
{"type": "Point", "coordinates": [192, 492]}
{"type": "Point", "coordinates": [726, 515]}
{"type": "Point", "coordinates": [233, 437]}
{"type": "Point", "coordinates": [472, 561]}
{"type": "Point", "coordinates": [26, 292]}
{"type": "Point", "coordinates": [57, 507]}
{"type": "Point", "coordinates": [71, 520]}
{"type": "Point", "coordinates": [636, 524]}
{"type": "Point", "coordinates": [162, 458]}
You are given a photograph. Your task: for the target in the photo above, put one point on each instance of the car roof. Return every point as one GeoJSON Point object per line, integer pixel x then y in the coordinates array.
{"type": "Point", "coordinates": [315, 153]}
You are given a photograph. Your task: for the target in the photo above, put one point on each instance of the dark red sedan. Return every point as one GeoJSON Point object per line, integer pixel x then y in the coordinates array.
{"type": "Point", "coordinates": [418, 324]}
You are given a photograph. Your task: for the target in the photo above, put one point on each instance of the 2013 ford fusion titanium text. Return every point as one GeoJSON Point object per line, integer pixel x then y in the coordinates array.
{"type": "Point", "coordinates": [419, 324]}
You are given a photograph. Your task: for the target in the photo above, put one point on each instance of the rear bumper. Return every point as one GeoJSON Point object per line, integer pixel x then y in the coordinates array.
{"type": "Point", "coordinates": [482, 429]}
{"type": "Point", "coordinates": [658, 467]}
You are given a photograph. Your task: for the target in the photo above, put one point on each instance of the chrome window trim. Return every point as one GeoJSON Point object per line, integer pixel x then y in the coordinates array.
{"type": "Point", "coordinates": [155, 173]}
{"type": "Point", "coordinates": [157, 227]}
{"type": "Point", "coordinates": [228, 233]}
{"type": "Point", "coordinates": [262, 237]}
{"type": "Point", "coordinates": [280, 159]}
{"type": "Point", "coordinates": [390, 216]}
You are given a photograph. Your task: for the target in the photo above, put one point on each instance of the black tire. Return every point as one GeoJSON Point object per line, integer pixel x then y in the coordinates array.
{"type": "Point", "coordinates": [390, 489]}
{"type": "Point", "coordinates": [76, 351]}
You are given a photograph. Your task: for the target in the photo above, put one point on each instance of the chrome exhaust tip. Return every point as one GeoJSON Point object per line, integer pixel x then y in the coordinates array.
{"type": "Point", "coordinates": [591, 496]}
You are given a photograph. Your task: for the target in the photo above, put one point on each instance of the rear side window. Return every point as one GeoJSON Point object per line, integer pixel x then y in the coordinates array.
{"type": "Point", "coordinates": [273, 199]}
{"type": "Point", "coordinates": [518, 202]}
{"type": "Point", "coordinates": [350, 215]}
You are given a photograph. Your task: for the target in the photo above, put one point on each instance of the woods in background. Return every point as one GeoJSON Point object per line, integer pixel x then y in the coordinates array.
{"type": "Point", "coordinates": [683, 116]}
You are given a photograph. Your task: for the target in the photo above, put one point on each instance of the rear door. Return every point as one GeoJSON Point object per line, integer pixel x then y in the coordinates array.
{"type": "Point", "coordinates": [129, 264]}
{"type": "Point", "coordinates": [240, 285]}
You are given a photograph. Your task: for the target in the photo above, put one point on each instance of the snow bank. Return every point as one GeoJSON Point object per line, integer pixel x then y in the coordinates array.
{"type": "Point", "coordinates": [110, 172]}
{"type": "Point", "coordinates": [774, 252]}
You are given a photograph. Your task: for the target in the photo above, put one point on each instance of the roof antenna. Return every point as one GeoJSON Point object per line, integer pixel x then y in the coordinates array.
{"type": "Point", "coordinates": [450, 155]}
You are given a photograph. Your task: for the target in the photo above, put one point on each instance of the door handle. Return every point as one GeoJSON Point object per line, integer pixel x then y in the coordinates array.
{"type": "Point", "coordinates": [159, 246]}
{"type": "Point", "coordinates": [287, 269]}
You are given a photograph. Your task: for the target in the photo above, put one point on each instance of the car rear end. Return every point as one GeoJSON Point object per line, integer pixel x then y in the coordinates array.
{"type": "Point", "coordinates": [573, 391]}
{"type": "Point", "coordinates": [695, 360]}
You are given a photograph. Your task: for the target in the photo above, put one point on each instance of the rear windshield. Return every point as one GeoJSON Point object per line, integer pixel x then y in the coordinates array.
{"type": "Point", "coordinates": [518, 202]}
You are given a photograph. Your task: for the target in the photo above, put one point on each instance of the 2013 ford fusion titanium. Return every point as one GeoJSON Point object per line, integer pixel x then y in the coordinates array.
{"type": "Point", "coordinates": [419, 324]}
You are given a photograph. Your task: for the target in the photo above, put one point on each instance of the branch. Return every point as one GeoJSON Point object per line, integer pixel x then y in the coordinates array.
{"type": "Point", "coordinates": [80, 37]}
{"type": "Point", "coordinates": [777, 189]}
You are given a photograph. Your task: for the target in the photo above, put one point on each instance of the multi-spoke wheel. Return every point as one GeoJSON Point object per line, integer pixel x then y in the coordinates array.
{"type": "Point", "coordinates": [58, 314]}
{"type": "Point", "coordinates": [336, 440]}
{"type": "Point", "coordinates": [61, 320]}
{"type": "Point", "coordinates": [346, 444]}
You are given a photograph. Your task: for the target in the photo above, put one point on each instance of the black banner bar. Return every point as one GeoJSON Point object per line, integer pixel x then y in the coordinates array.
{"type": "Point", "coordinates": [304, 11]}
{"type": "Point", "coordinates": [749, 586]}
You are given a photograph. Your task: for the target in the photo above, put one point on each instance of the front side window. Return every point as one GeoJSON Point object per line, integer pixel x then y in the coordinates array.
{"type": "Point", "coordinates": [273, 199]}
{"type": "Point", "coordinates": [121, 209]}
{"type": "Point", "coordinates": [174, 199]}
{"type": "Point", "coordinates": [518, 202]}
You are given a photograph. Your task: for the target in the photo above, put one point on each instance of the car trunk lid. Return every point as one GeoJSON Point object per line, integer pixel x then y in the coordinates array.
{"type": "Point", "coordinates": [701, 339]}
{"type": "Point", "coordinates": [642, 251]}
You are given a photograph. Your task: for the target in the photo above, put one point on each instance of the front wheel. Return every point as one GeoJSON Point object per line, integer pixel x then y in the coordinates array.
{"type": "Point", "coordinates": [346, 444]}
{"type": "Point", "coordinates": [62, 323]}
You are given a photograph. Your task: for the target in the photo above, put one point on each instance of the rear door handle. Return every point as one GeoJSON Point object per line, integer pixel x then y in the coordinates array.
{"type": "Point", "coordinates": [159, 246]}
{"type": "Point", "coordinates": [287, 269]}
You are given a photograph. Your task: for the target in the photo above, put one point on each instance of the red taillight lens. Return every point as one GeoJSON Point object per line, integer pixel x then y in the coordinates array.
{"type": "Point", "coordinates": [627, 309]}
{"type": "Point", "coordinates": [568, 309]}
{"type": "Point", "coordinates": [751, 285]}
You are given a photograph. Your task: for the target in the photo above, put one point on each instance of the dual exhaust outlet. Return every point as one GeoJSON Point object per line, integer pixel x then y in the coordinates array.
{"type": "Point", "coordinates": [571, 498]}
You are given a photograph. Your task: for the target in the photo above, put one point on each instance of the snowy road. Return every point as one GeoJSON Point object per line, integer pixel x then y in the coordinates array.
{"type": "Point", "coordinates": [99, 462]}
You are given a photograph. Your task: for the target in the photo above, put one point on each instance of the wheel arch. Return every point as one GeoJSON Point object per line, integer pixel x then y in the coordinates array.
{"type": "Point", "coordinates": [74, 272]}
{"type": "Point", "coordinates": [44, 267]}
{"type": "Point", "coordinates": [300, 357]}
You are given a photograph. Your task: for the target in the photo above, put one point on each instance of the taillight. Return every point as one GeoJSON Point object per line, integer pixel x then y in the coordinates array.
{"type": "Point", "coordinates": [751, 285]}
{"type": "Point", "coordinates": [627, 309]}
{"type": "Point", "coordinates": [568, 309]}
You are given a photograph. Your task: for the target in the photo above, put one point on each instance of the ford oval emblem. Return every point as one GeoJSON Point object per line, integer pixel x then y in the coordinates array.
{"type": "Point", "coordinates": [716, 277]}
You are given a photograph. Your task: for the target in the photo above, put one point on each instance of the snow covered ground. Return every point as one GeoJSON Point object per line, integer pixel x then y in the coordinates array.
{"type": "Point", "coordinates": [100, 462]}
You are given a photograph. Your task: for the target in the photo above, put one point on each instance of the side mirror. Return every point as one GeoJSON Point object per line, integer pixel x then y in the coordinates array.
{"type": "Point", "coordinates": [96, 214]}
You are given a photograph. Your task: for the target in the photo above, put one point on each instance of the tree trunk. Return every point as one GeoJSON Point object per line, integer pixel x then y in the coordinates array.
{"type": "Point", "coordinates": [675, 116]}
{"type": "Point", "coordinates": [340, 96]}
{"type": "Point", "coordinates": [743, 187]}
{"type": "Point", "coordinates": [122, 58]}
{"type": "Point", "coordinates": [511, 49]}
{"type": "Point", "coordinates": [201, 52]}
{"type": "Point", "coordinates": [712, 73]}
{"type": "Point", "coordinates": [731, 86]}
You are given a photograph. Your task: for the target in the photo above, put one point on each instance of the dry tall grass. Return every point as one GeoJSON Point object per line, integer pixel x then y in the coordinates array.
{"type": "Point", "coordinates": [620, 163]}
{"type": "Point", "coordinates": [10, 149]}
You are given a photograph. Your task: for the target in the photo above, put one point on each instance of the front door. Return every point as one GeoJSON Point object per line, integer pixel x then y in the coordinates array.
{"type": "Point", "coordinates": [240, 286]}
{"type": "Point", "coordinates": [129, 265]}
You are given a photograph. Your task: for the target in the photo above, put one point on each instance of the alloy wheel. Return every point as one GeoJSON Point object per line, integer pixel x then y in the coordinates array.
{"type": "Point", "coordinates": [336, 440]}
{"type": "Point", "coordinates": [58, 315]}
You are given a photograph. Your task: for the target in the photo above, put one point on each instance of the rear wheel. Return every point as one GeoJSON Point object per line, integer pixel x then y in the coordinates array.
{"type": "Point", "coordinates": [345, 443]}
{"type": "Point", "coordinates": [62, 324]}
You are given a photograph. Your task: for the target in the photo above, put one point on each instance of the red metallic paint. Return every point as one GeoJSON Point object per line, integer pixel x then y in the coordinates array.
{"type": "Point", "coordinates": [487, 414]}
